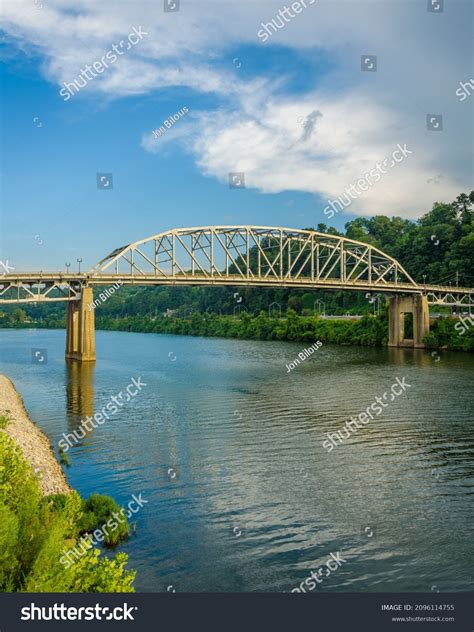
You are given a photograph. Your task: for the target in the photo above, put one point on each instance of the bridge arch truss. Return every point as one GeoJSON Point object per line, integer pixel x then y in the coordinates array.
{"type": "Point", "coordinates": [236, 255]}
{"type": "Point", "coordinates": [252, 255]}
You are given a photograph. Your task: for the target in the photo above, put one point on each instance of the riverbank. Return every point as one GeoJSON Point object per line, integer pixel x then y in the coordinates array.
{"type": "Point", "coordinates": [368, 331]}
{"type": "Point", "coordinates": [32, 442]}
{"type": "Point", "coordinates": [46, 542]}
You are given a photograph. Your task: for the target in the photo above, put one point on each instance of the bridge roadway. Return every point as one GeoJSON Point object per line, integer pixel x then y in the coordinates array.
{"type": "Point", "coordinates": [40, 282]}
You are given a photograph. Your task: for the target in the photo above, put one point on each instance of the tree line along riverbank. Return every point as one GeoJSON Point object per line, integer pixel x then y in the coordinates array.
{"type": "Point", "coordinates": [445, 332]}
{"type": "Point", "coordinates": [366, 331]}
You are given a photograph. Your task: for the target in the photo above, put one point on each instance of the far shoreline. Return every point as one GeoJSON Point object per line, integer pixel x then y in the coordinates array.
{"type": "Point", "coordinates": [368, 331]}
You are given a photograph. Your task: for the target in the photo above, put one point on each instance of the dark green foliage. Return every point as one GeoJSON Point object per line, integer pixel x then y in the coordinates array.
{"type": "Point", "coordinates": [98, 510]}
{"type": "Point", "coordinates": [35, 531]}
{"type": "Point", "coordinates": [368, 331]}
{"type": "Point", "coordinates": [445, 332]}
{"type": "Point", "coordinates": [63, 457]}
{"type": "Point", "coordinates": [4, 420]}
{"type": "Point", "coordinates": [438, 245]}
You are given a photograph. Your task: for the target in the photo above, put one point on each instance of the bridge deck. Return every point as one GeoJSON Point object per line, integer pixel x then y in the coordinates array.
{"type": "Point", "coordinates": [37, 287]}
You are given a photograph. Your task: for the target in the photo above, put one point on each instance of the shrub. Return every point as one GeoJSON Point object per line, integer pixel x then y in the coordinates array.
{"type": "Point", "coordinates": [97, 511]}
{"type": "Point", "coordinates": [35, 531]}
{"type": "Point", "coordinates": [63, 457]}
{"type": "Point", "coordinates": [4, 420]}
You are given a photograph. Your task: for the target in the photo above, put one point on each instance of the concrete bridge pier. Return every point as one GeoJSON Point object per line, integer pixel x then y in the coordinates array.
{"type": "Point", "coordinates": [80, 328]}
{"type": "Point", "coordinates": [399, 306]}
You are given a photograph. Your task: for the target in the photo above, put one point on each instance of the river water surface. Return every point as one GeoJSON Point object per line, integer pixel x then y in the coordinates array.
{"type": "Point", "coordinates": [226, 447]}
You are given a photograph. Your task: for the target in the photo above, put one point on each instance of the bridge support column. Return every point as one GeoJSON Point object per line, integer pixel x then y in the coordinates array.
{"type": "Point", "coordinates": [421, 320]}
{"type": "Point", "coordinates": [417, 305]}
{"type": "Point", "coordinates": [80, 328]}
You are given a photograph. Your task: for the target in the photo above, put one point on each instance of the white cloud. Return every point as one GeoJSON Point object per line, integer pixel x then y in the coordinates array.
{"type": "Point", "coordinates": [270, 145]}
{"type": "Point", "coordinates": [257, 126]}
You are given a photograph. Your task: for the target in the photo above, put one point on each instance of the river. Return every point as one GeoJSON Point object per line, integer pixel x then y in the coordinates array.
{"type": "Point", "coordinates": [227, 449]}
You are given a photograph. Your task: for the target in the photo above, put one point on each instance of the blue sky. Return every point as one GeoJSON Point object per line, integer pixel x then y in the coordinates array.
{"type": "Point", "coordinates": [248, 103]}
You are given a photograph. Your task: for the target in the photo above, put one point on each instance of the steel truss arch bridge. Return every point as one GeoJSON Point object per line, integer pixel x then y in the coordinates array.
{"type": "Point", "coordinates": [256, 256]}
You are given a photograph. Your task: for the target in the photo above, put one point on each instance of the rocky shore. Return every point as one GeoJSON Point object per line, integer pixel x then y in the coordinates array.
{"type": "Point", "coordinates": [33, 443]}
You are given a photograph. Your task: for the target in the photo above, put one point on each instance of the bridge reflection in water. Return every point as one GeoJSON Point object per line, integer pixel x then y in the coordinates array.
{"type": "Point", "coordinates": [80, 392]}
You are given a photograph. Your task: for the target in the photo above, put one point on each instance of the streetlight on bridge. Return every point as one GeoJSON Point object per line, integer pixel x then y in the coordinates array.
{"type": "Point", "coordinates": [68, 265]}
{"type": "Point", "coordinates": [79, 261]}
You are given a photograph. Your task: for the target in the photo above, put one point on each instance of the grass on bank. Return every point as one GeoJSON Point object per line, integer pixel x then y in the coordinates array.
{"type": "Point", "coordinates": [4, 419]}
{"type": "Point", "coordinates": [35, 531]}
{"type": "Point", "coordinates": [63, 457]}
